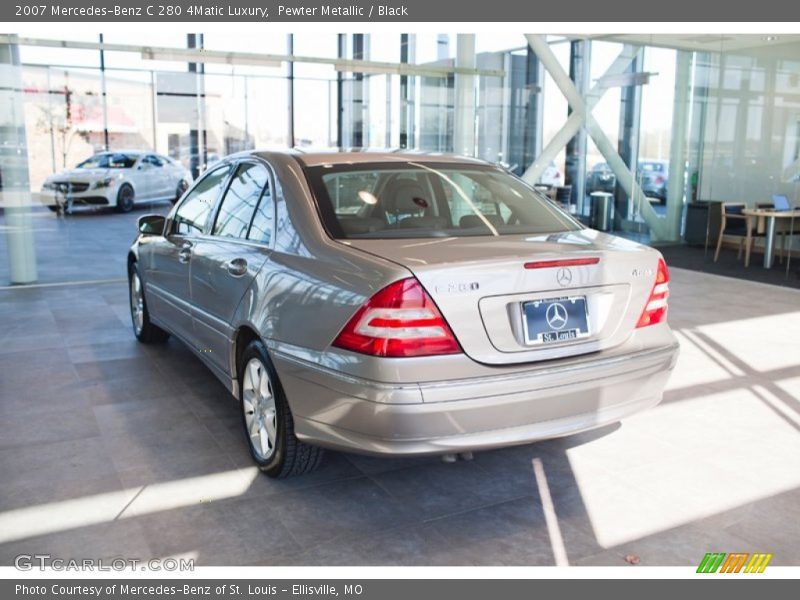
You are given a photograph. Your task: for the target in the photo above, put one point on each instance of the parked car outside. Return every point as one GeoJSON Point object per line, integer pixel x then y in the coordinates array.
{"type": "Point", "coordinates": [117, 179]}
{"type": "Point", "coordinates": [654, 178]}
{"type": "Point", "coordinates": [399, 304]}
{"type": "Point", "coordinates": [601, 179]}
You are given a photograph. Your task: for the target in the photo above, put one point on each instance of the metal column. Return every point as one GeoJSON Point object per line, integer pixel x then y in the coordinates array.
{"type": "Point", "coordinates": [104, 94]}
{"type": "Point", "coordinates": [290, 83]}
{"type": "Point", "coordinates": [407, 111]}
{"type": "Point", "coordinates": [197, 145]}
{"type": "Point", "coordinates": [677, 151]}
{"type": "Point", "coordinates": [625, 204]}
{"type": "Point", "coordinates": [575, 167]}
{"type": "Point", "coordinates": [464, 126]}
{"type": "Point", "coordinates": [15, 194]}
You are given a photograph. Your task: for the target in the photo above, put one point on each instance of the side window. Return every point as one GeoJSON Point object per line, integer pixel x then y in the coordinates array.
{"type": "Point", "coordinates": [239, 203]}
{"type": "Point", "coordinates": [193, 213]}
{"type": "Point", "coordinates": [264, 220]}
{"type": "Point", "coordinates": [153, 160]}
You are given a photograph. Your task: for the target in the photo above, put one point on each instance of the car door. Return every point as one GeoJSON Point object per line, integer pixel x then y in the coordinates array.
{"type": "Point", "coordinates": [141, 178]}
{"type": "Point", "coordinates": [225, 262]}
{"type": "Point", "coordinates": [159, 178]}
{"type": "Point", "coordinates": [167, 280]}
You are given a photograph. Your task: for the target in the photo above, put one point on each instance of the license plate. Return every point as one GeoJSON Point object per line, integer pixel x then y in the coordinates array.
{"type": "Point", "coordinates": [555, 320]}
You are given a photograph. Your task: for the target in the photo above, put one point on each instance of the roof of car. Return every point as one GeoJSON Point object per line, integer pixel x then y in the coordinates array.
{"type": "Point", "coordinates": [332, 156]}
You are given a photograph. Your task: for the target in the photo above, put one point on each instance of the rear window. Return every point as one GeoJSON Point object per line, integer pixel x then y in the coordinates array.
{"type": "Point", "coordinates": [419, 200]}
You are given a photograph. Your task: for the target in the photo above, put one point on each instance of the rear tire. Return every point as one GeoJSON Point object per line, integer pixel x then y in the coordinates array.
{"type": "Point", "coordinates": [125, 198]}
{"type": "Point", "coordinates": [267, 420]}
{"type": "Point", "coordinates": [143, 329]}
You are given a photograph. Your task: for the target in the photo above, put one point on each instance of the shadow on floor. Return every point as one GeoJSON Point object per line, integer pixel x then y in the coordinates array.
{"type": "Point", "coordinates": [697, 258]}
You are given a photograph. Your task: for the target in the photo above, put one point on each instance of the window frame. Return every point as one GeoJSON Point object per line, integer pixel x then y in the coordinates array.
{"type": "Point", "coordinates": [172, 219]}
{"type": "Point", "coordinates": [271, 181]}
{"type": "Point", "coordinates": [221, 200]}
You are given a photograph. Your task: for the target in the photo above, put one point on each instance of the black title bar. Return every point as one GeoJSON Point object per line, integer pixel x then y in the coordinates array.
{"type": "Point", "coordinates": [443, 11]}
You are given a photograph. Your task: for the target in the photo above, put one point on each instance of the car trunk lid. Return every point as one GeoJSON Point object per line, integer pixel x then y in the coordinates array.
{"type": "Point", "coordinates": [490, 289]}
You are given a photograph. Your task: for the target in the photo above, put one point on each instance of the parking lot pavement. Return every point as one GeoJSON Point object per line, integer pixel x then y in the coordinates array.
{"type": "Point", "coordinates": [88, 245]}
{"type": "Point", "coordinates": [112, 448]}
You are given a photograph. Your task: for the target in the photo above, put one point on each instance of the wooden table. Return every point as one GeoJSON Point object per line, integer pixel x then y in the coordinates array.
{"type": "Point", "coordinates": [767, 219]}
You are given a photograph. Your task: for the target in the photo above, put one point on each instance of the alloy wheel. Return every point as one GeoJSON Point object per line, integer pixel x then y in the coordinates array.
{"type": "Point", "coordinates": [137, 303]}
{"type": "Point", "coordinates": [258, 404]}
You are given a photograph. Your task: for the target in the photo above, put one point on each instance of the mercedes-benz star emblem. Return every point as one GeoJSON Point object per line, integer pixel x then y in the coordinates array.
{"type": "Point", "coordinates": [564, 277]}
{"type": "Point", "coordinates": [556, 315]}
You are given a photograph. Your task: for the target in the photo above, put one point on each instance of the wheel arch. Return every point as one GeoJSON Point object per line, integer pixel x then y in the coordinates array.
{"type": "Point", "coordinates": [125, 182]}
{"type": "Point", "coordinates": [132, 258]}
{"type": "Point", "coordinates": [244, 334]}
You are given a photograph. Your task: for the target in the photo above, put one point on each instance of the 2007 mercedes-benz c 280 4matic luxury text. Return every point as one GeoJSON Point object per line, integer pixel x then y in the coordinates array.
{"type": "Point", "coordinates": [400, 304]}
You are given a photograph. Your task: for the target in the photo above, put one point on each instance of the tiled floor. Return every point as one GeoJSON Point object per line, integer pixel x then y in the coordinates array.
{"type": "Point", "coordinates": [111, 448]}
{"type": "Point", "coordinates": [68, 248]}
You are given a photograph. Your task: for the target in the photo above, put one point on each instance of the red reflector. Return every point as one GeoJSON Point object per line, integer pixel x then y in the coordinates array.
{"type": "Point", "coordinates": [566, 262]}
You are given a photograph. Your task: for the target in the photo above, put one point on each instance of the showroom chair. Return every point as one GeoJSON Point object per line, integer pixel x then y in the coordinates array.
{"type": "Point", "coordinates": [733, 223]}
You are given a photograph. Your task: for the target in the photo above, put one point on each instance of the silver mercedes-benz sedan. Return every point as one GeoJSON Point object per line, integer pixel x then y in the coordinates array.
{"type": "Point", "coordinates": [400, 304]}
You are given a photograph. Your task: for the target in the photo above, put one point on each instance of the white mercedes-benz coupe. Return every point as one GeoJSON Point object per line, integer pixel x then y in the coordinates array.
{"type": "Point", "coordinates": [118, 179]}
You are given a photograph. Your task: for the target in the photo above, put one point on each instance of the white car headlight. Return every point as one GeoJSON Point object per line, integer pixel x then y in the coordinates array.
{"type": "Point", "coordinates": [104, 183]}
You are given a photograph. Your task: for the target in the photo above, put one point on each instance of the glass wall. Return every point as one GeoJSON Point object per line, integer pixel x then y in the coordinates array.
{"type": "Point", "coordinates": [739, 109]}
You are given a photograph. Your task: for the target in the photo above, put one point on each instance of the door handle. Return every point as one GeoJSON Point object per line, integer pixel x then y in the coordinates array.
{"type": "Point", "coordinates": [236, 267]}
{"type": "Point", "coordinates": [185, 253]}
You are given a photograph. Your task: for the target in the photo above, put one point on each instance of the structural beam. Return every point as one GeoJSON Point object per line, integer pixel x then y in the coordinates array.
{"type": "Point", "coordinates": [604, 145]}
{"type": "Point", "coordinates": [464, 121]}
{"type": "Point", "coordinates": [678, 151]}
{"type": "Point", "coordinates": [15, 197]}
{"type": "Point", "coordinates": [577, 118]}
{"type": "Point", "coordinates": [202, 55]}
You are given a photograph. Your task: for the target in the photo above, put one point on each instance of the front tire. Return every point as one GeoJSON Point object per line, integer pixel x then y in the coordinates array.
{"type": "Point", "coordinates": [125, 198]}
{"type": "Point", "coordinates": [143, 329]}
{"type": "Point", "coordinates": [267, 419]}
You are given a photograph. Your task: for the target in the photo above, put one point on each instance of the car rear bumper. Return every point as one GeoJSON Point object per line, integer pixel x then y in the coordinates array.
{"type": "Point", "coordinates": [347, 413]}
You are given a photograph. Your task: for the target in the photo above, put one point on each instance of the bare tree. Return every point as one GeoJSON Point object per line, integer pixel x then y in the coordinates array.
{"type": "Point", "coordinates": [57, 119]}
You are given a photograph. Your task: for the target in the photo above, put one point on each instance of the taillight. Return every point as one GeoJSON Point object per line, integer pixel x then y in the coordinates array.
{"type": "Point", "coordinates": [659, 179]}
{"type": "Point", "coordinates": [655, 311]}
{"type": "Point", "coordinates": [399, 320]}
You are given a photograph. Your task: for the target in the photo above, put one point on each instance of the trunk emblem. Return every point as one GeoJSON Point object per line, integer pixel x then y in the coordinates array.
{"type": "Point", "coordinates": [563, 277]}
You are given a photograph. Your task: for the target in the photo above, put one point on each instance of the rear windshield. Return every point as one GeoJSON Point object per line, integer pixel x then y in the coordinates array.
{"type": "Point", "coordinates": [420, 200]}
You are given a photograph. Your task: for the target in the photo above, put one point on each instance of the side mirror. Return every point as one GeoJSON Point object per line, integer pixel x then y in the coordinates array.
{"type": "Point", "coordinates": [152, 224]}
